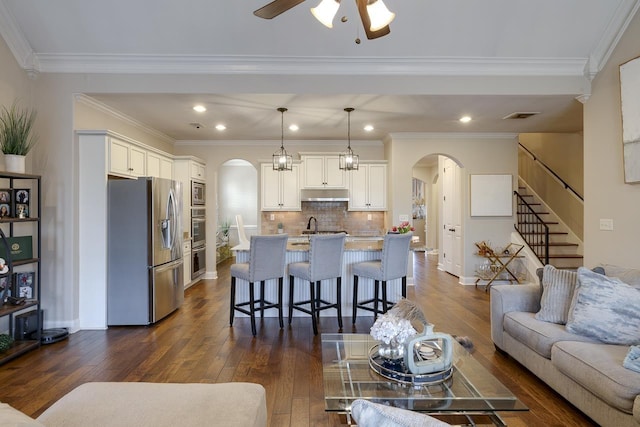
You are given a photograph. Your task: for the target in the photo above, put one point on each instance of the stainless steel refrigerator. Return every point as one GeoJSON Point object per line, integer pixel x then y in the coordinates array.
{"type": "Point", "coordinates": [145, 280]}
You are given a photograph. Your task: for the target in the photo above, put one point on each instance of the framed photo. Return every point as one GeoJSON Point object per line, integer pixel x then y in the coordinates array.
{"type": "Point", "coordinates": [5, 287]}
{"type": "Point", "coordinates": [21, 202]}
{"type": "Point", "coordinates": [24, 284]}
{"type": "Point", "coordinates": [5, 203]}
{"type": "Point", "coordinates": [630, 107]}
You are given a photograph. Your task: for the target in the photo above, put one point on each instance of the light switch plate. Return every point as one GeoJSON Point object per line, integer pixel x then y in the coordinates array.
{"type": "Point", "coordinates": [272, 217]}
{"type": "Point", "coordinates": [404, 217]}
{"type": "Point", "coordinates": [606, 224]}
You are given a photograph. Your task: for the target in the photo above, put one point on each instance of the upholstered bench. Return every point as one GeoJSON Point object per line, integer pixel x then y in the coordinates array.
{"type": "Point", "coordinates": [151, 404]}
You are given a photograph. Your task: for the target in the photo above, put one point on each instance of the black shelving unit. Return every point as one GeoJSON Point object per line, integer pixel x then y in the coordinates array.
{"type": "Point", "coordinates": [14, 227]}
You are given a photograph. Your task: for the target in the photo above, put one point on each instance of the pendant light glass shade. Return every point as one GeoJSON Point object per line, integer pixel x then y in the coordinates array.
{"type": "Point", "coordinates": [282, 161]}
{"type": "Point", "coordinates": [379, 15]}
{"type": "Point", "coordinates": [326, 11]}
{"type": "Point", "coordinates": [349, 161]}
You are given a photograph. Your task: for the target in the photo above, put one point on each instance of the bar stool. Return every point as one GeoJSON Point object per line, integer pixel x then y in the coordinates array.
{"type": "Point", "coordinates": [393, 265]}
{"type": "Point", "coordinates": [266, 261]}
{"type": "Point", "coordinates": [325, 262]}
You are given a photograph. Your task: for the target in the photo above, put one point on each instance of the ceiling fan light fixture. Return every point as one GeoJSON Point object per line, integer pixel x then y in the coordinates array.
{"type": "Point", "coordinates": [348, 161]}
{"type": "Point", "coordinates": [379, 14]}
{"type": "Point", "coordinates": [325, 11]}
{"type": "Point", "coordinates": [282, 161]}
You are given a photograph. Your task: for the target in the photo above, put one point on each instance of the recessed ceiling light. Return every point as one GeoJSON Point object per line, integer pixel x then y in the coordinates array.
{"type": "Point", "coordinates": [221, 127]}
{"type": "Point", "coordinates": [368, 128]}
{"type": "Point", "coordinates": [293, 127]}
{"type": "Point", "coordinates": [200, 108]}
{"type": "Point", "coordinates": [465, 119]}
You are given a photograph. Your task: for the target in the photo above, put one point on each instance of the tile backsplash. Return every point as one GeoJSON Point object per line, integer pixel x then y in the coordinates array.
{"type": "Point", "coordinates": [331, 216]}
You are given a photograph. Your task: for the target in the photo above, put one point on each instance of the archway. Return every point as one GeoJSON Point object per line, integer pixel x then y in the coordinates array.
{"type": "Point", "coordinates": [237, 194]}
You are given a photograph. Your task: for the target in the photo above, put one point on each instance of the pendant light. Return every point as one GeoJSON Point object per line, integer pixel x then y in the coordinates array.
{"type": "Point", "coordinates": [379, 15]}
{"type": "Point", "coordinates": [281, 160]}
{"type": "Point", "coordinates": [326, 11]}
{"type": "Point", "coordinates": [348, 161]}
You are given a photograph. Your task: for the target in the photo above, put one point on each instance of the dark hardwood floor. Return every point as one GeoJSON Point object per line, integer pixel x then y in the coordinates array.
{"type": "Point", "coordinates": [196, 344]}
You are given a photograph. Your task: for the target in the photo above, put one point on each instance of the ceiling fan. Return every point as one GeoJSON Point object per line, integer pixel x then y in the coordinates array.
{"type": "Point", "coordinates": [276, 7]}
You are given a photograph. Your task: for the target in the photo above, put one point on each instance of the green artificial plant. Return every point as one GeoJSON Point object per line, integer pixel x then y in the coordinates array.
{"type": "Point", "coordinates": [16, 130]}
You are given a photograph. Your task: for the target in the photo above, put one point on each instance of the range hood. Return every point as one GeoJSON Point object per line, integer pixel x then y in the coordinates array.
{"type": "Point", "coordinates": [324, 195]}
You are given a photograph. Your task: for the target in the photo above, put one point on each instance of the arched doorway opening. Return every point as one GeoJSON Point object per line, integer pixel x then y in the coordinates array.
{"type": "Point", "coordinates": [237, 195]}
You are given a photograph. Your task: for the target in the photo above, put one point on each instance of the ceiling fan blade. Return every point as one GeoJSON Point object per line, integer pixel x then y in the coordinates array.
{"type": "Point", "coordinates": [275, 8]}
{"type": "Point", "coordinates": [366, 22]}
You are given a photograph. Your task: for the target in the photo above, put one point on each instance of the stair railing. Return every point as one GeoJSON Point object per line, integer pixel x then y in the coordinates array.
{"type": "Point", "coordinates": [555, 175]}
{"type": "Point", "coordinates": [532, 228]}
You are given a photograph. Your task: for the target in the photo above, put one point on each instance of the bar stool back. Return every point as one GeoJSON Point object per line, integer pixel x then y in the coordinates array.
{"type": "Point", "coordinates": [393, 265]}
{"type": "Point", "coordinates": [325, 262]}
{"type": "Point", "coordinates": [266, 261]}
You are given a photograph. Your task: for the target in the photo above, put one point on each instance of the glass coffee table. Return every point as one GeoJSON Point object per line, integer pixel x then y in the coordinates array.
{"type": "Point", "coordinates": [470, 391]}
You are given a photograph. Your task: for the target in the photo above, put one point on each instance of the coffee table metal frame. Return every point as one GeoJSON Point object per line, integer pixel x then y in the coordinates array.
{"type": "Point", "coordinates": [471, 390]}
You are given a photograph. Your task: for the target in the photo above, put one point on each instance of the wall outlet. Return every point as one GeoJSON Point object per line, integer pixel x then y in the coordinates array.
{"type": "Point", "coordinates": [403, 217]}
{"type": "Point", "coordinates": [369, 217]}
{"type": "Point", "coordinates": [606, 224]}
{"type": "Point", "coordinates": [272, 217]}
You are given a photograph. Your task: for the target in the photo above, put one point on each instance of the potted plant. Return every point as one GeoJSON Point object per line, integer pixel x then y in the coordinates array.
{"type": "Point", "coordinates": [16, 136]}
{"type": "Point", "coordinates": [280, 228]}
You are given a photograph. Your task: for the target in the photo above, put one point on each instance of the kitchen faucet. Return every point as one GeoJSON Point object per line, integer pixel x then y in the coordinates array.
{"type": "Point", "coordinates": [315, 228]}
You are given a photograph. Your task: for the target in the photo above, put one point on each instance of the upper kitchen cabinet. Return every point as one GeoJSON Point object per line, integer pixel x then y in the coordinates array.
{"type": "Point", "coordinates": [368, 187]}
{"type": "Point", "coordinates": [198, 171]}
{"type": "Point", "coordinates": [126, 159]}
{"type": "Point", "coordinates": [280, 191]}
{"type": "Point", "coordinates": [322, 171]}
{"type": "Point", "coordinates": [159, 166]}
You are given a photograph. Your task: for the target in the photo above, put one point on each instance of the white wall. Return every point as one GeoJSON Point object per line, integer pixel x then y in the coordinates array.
{"type": "Point", "coordinates": [606, 194]}
{"type": "Point", "coordinates": [477, 154]}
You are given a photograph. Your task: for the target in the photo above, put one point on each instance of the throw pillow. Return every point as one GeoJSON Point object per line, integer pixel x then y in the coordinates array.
{"type": "Point", "coordinates": [557, 293]}
{"type": "Point", "coordinates": [605, 308]}
{"type": "Point", "coordinates": [369, 414]}
{"type": "Point", "coordinates": [630, 276]}
{"type": "Point", "coordinates": [632, 359]}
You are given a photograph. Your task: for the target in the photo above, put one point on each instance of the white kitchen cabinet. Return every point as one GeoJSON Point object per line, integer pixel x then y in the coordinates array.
{"type": "Point", "coordinates": [323, 172]}
{"type": "Point", "coordinates": [368, 188]}
{"type": "Point", "coordinates": [198, 170]}
{"type": "Point", "coordinates": [280, 191]}
{"type": "Point", "coordinates": [186, 256]}
{"type": "Point", "coordinates": [159, 166]}
{"type": "Point", "coordinates": [126, 159]}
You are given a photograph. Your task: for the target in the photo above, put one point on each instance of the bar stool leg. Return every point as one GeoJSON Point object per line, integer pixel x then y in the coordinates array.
{"type": "Point", "coordinates": [313, 308]}
{"type": "Point", "coordinates": [376, 298]}
{"type": "Point", "coordinates": [339, 301]}
{"type": "Point", "coordinates": [290, 298]}
{"type": "Point", "coordinates": [404, 286]}
{"type": "Point", "coordinates": [280, 286]}
{"type": "Point", "coordinates": [262, 299]}
{"type": "Point", "coordinates": [318, 296]}
{"type": "Point", "coordinates": [252, 313]}
{"type": "Point", "coordinates": [232, 305]}
{"type": "Point", "coordinates": [355, 299]}
{"type": "Point", "coordinates": [384, 296]}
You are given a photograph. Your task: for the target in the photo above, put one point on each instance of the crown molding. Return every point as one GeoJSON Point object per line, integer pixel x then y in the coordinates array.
{"type": "Point", "coordinates": [97, 105]}
{"type": "Point", "coordinates": [276, 142]}
{"type": "Point", "coordinates": [451, 135]}
{"type": "Point", "coordinates": [193, 64]}
{"type": "Point", "coordinates": [17, 42]}
{"type": "Point", "coordinates": [609, 40]}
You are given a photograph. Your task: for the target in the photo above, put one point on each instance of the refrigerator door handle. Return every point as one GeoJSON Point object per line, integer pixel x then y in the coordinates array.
{"type": "Point", "coordinates": [169, 266]}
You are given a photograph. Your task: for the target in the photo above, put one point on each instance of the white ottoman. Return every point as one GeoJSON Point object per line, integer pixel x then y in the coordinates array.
{"type": "Point", "coordinates": [159, 404]}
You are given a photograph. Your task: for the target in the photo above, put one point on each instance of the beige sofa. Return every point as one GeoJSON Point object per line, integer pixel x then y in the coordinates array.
{"type": "Point", "coordinates": [587, 373]}
{"type": "Point", "coordinates": [150, 404]}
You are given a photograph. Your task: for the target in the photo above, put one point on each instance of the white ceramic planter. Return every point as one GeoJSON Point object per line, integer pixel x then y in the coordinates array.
{"type": "Point", "coordinates": [14, 163]}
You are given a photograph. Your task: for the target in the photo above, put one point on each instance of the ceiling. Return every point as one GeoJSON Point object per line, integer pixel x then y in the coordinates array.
{"type": "Point", "coordinates": [443, 59]}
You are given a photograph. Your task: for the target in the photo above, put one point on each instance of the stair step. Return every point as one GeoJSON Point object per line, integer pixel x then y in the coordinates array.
{"type": "Point", "coordinates": [546, 222]}
{"type": "Point", "coordinates": [563, 244]}
{"type": "Point", "coordinates": [564, 233]}
{"type": "Point", "coordinates": [566, 256]}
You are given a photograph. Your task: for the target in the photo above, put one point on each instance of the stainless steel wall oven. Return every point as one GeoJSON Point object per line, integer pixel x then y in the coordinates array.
{"type": "Point", "coordinates": [198, 262]}
{"type": "Point", "coordinates": [198, 227]}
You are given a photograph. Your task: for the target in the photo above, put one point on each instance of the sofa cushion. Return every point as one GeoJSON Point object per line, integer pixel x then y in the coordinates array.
{"type": "Point", "coordinates": [630, 276]}
{"type": "Point", "coordinates": [557, 293]}
{"type": "Point", "coordinates": [369, 414]}
{"type": "Point", "coordinates": [598, 368]}
{"type": "Point", "coordinates": [11, 417]}
{"type": "Point", "coordinates": [605, 308]}
{"type": "Point", "coordinates": [537, 335]}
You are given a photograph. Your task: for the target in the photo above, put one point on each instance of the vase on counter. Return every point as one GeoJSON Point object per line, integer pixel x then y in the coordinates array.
{"type": "Point", "coordinates": [393, 352]}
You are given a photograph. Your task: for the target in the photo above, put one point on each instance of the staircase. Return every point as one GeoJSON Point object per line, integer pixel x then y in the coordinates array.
{"type": "Point", "coordinates": [547, 237]}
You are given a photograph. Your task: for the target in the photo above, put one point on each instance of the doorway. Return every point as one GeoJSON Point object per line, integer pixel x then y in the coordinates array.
{"type": "Point", "coordinates": [237, 194]}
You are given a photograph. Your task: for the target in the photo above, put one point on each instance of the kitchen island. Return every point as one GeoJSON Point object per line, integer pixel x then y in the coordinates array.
{"type": "Point", "coordinates": [357, 249]}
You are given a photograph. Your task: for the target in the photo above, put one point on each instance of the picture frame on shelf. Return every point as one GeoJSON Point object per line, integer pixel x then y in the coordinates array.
{"type": "Point", "coordinates": [22, 201]}
{"type": "Point", "coordinates": [24, 284]}
{"type": "Point", "coordinates": [5, 210]}
{"type": "Point", "coordinates": [5, 202]}
{"type": "Point", "coordinates": [5, 288]}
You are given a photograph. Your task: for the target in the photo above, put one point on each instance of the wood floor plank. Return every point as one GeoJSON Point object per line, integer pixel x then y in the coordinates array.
{"type": "Point", "coordinates": [196, 344]}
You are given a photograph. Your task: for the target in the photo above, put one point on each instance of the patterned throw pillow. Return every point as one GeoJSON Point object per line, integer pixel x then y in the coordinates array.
{"type": "Point", "coordinates": [369, 414]}
{"type": "Point", "coordinates": [557, 293]}
{"type": "Point", "coordinates": [605, 308]}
